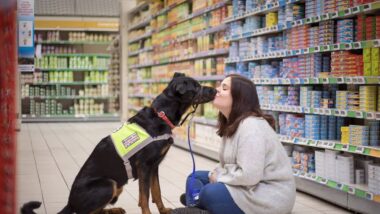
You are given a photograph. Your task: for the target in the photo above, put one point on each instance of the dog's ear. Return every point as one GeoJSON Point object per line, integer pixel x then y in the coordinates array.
{"type": "Point", "coordinates": [177, 74]}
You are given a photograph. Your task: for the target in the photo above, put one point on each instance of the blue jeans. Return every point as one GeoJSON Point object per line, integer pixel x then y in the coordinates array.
{"type": "Point", "coordinates": [214, 197]}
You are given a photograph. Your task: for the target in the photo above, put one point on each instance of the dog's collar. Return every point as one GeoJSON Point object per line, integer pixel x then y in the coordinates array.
{"type": "Point", "coordinates": [163, 116]}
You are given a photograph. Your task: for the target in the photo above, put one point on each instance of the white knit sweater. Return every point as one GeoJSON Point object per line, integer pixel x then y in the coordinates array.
{"type": "Point", "coordinates": [256, 170]}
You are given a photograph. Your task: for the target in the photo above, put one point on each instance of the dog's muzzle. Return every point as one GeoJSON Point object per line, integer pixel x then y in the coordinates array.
{"type": "Point", "coordinates": [204, 95]}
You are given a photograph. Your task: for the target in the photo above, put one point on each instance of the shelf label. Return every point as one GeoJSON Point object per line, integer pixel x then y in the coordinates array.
{"type": "Point", "coordinates": [360, 149]}
{"type": "Point", "coordinates": [367, 7]}
{"type": "Point", "coordinates": [306, 80]}
{"type": "Point", "coordinates": [349, 80]}
{"type": "Point", "coordinates": [370, 115]}
{"type": "Point", "coordinates": [339, 186]}
{"type": "Point", "coordinates": [348, 46]}
{"type": "Point", "coordinates": [343, 113]}
{"type": "Point", "coordinates": [318, 18]}
{"type": "Point", "coordinates": [369, 196]}
{"type": "Point", "coordinates": [325, 80]}
{"type": "Point", "coordinates": [378, 116]}
{"type": "Point", "coordinates": [334, 15]}
{"type": "Point", "coordinates": [359, 114]}
{"type": "Point", "coordinates": [306, 110]}
{"type": "Point", "coordinates": [328, 111]}
{"type": "Point", "coordinates": [312, 143]}
{"type": "Point", "coordinates": [316, 49]}
{"type": "Point", "coordinates": [336, 112]}
{"type": "Point", "coordinates": [314, 177]}
{"type": "Point", "coordinates": [345, 147]}
{"type": "Point", "coordinates": [326, 48]}
{"type": "Point", "coordinates": [351, 190]}
{"type": "Point", "coordinates": [336, 47]}
{"type": "Point", "coordinates": [347, 11]}
{"type": "Point", "coordinates": [323, 181]}
{"type": "Point", "coordinates": [376, 43]}
{"type": "Point", "coordinates": [302, 174]}
{"type": "Point", "coordinates": [315, 80]}
{"type": "Point", "coordinates": [297, 80]}
{"type": "Point", "coordinates": [305, 51]}
{"type": "Point", "coordinates": [325, 16]}
{"type": "Point", "coordinates": [356, 10]}
{"type": "Point", "coordinates": [357, 45]}
{"type": "Point", "coordinates": [308, 20]}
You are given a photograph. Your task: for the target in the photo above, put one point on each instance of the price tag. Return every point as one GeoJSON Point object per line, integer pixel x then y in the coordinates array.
{"type": "Point", "coordinates": [306, 110]}
{"type": "Point", "coordinates": [343, 113]}
{"type": "Point", "coordinates": [325, 16]}
{"type": "Point", "coordinates": [336, 47]}
{"type": "Point", "coordinates": [276, 4]}
{"type": "Point", "coordinates": [339, 186]}
{"type": "Point", "coordinates": [287, 81]}
{"type": "Point", "coordinates": [302, 174]}
{"type": "Point", "coordinates": [317, 111]}
{"type": "Point", "coordinates": [299, 22]}
{"type": "Point", "coordinates": [299, 109]}
{"type": "Point", "coordinates": [369, 196]}
{"type": "Point", "coordinates": [316, 49]}
{"type": "Point", "coordinates": [356, 10]}
{"type": "Point", "coordinates": [340, 79]}
{"type": "Point", "coordinates": [314, 177]}
{"type": "Point", "coordinates": [347, 12]}
{"type": "Point", "coordinates": [327, 111]}
{"type": "Point", "coordinates": [360, 80]}
{"type": "Point", "coordinates": [359, 150]}
{"type": "Point", "coordinates": [336, 112]}
{"type": "Point", "coordinates": [312, 143]}
{"type": "Point", "coordinates": [349, 80]}
{"type": "Point", "coordinates": [357, 45]}
{"type": "Point", "coordinates": [376, 43]}
{"type": "Point", "coordinates": [275, 81]}
{"type": "Point", "coordinates": [334, 15]}
{"type": "Point", "coordinates": [316, 80]}
{"type": "Point", "coordinates": [326, 48]}
{"type": "Point", "coordinates": [370, 115]}
{"type": "Point", "coordinates": [359, 114]}
{"type": "Point", "coordinates": [367, 7]}
{"type": "Point", "coordinates": [323, 181]}
{"type": "Point", "coordinates": [378, 116]}
{"type": "Point", "coordinates": [306, 80]}
{"type": "Point", "coordinates": [345, 147]}
{"type": "Point", "coordinates": [308, 176]}
{"type": "Point", "coordinates": [351, 190]}
{"type": "Point", "coordinates": [308, 20]}
{"type": "Point", "coordinates": [318, 18]}
{"type": "Point", "coordinates": [330, 145]}
{"type": "Point", "coordinates": [297, 81]}
{"type": "Point", "coordinates": [348, 46]}
{"type": "Point", "coordinates": [294, 23]}
{"type": "Point", "coordinates": [325, 80]}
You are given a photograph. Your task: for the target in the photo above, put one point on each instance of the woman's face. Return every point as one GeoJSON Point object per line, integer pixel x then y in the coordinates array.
{"type": "Point", "coordinates": [223, 98]}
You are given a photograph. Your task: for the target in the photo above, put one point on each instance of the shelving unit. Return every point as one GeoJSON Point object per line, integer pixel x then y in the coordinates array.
{"type": "Point", "coordinates": [72, 77]}
{"type": "Point", "coordinates": [247, 57]}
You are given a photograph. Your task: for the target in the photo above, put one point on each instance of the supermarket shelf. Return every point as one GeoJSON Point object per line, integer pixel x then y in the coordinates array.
{"type": "Point", "coordinates": [143, 23]}
{"type": "Point", "coordinates": [70, 118]}
{"type": "Point", "coordinates": [197, 148]}
{"type": "Point", "coordinates": [68, 83]}
{"type": "Point", "coordinates": [332, 145]}
{"type": "Point", "coordinates": [189, 36]}
{"type": "Point", "coordinates": [193, 15]}
{"type": "Point", "coordinates": [141, 66]}
{"type": "Point", "coordinates": [67, 97]}
{"type": "Point", "coordinates": [167, 9]}
{"type": "Point", "coordinates": [337, 196]}
{"type": "Point", "coordinates": [165, 80]}
{"type": "Point", "coordinates": [310, 50]}
{"type": "Point", "coordinates": [146, 35]}
{"type": "Point", "coordinates": [360, 191]}
{"type": "Point", "coordinates": [63, 42]}
{"type": "Point", "coordinates": [134, 53]}
{"type": "Point", "coordinates": [199, 55]}
{"type": "Point", "coordinates": [271, 7]}
{"type": "Point", "coordinates": [362, 80]}
{"type": "Point", "coordinates": [205, 121]}
{"type": "Point", "coordinates": [139, 7]}
{"type": "Point", "coordinates": [79, 55]}
{"type": "Point", "coordinates": [347, 13]}
{"type": "Point", "coordinates": [72, 69]}
{"type": "Point", "coordinates": [323, 111]}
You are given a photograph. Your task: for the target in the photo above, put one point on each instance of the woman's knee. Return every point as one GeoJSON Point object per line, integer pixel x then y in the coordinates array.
{"type": "Point", "coordinates": [211, 192]}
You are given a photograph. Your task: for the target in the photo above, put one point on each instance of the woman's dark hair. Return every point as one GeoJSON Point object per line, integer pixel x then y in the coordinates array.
{"type": "Point", "coordinates": [245, 103]}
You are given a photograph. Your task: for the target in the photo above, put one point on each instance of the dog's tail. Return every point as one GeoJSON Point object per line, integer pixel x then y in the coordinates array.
{"type": "Point", "coordinates": [28, 208]}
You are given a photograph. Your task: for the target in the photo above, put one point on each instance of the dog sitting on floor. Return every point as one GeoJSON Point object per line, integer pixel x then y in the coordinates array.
{"type": "Point", "coordinates": [101, 179]}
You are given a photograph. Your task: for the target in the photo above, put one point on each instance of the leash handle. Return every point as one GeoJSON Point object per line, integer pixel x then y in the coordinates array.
{"type": "Point", "coordinates": [194, 193]}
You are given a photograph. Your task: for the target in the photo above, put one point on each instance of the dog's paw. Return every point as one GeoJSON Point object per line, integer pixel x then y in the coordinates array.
{"type": "Point", "coordinates": [117, 210]}
{"type": "Point", "coordinates": [165, 211]}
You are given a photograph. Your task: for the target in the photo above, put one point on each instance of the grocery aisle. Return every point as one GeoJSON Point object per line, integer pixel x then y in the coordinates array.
{"type": "Point", "coordinates": [50, 154]}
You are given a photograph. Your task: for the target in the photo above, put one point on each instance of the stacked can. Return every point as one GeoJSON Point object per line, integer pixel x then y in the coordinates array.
{"type": "Point", "coordinates": [329, 6]}
{"type": "Point", "coordinates": [339, 124]}
{"type": "Point", "coordinates": [244, 48]}
{"type": "Point", "coordinates": [263, 92]}
{"type": "Point", "coordinates": [293, 96]}
{"type": "Point", "coordinates": [316, 98]}
{"type": "Point", "coordinates": [370, 27]}
{"type": "Point", "coordinates": [280, 95]}
{"type": "Point", "coordinates": [341, 99]}
{"type": "Point", "coordinates": [305, 96]}
{"type": "Point", "coordinates": [326, 63]}
{"type": "Point", "coordinates": [282, 123]}
{"type": "Point", "coordinates": [310, 8]}
{"type": "Point", "coordinates": [315, 64]}
{"type": "Point", "coordinates": [282, 16]}
{"type": "Point", "coordinates": [250, 5]}
{"type": "Point", "coordinates": [359, 135]}
{"type": "Point", "coordinates": [360, 28]}
{"type": "Point", "coordinates": [324, 127]}
{"type": "Point", "coordinates": [367, 95]}
{"type": "Point", "coordinates": [325, 101]}
{"type": "Point", "coordinates": [345, 31]}
{"type": "Point", "coordinates": [236, 28]}
{"type": "Point", "coordinates": [298, 37]}
{"type": "Point", "coordinates": [271, 97]}
{"type": "Point", "coordinates": [345, 168]}
{"type": "Point", "coordinates": [271, 19]}
{"type": "Point", "coordinates": [238, 7]}
{"type": "Point", "coordinates": [343, 4]}
{"type": "Point", "coordinates": [312, 126]}
{"type": "Point", "coordinates": [373, 178]}
{"type": "Point", "coordinates": [353, 101]}
{"type": "Point", "coordinates": [254, 69]}
{"type": "Point", "coordinates": [313, 36]}
{"type": "Point", "coordinates": [270, 70]}
{"type": "Point", "coordinates": [344, 63]}
{"type": "Point", "coordinates": [295, 125]}
{"type": "Point", "coordinates": [326, 33]}
{"type": "Point", "coordinates": [374, 131]}
{"type": "Point", "coordinates": [252, 23]}
{"type": "Point", "coordinates": [234, 49]}
{"type": "Point", "coordinates": [332, 133]}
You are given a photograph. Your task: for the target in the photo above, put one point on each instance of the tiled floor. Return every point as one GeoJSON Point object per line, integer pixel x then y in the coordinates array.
{"type": "Point", "coordinates": [50, 154]}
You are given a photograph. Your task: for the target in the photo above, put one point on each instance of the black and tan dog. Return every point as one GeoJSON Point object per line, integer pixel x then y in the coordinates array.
{"type": "Point", "coordinates": [103, 175]}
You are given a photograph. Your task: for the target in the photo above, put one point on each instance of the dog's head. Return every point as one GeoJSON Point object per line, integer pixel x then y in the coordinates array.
{"type": "Point", "coordinates": [187, 90]}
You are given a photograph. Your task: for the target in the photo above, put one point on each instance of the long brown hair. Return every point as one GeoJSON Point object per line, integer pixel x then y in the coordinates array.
{"type": "Point", "coordinates": [245, 103]}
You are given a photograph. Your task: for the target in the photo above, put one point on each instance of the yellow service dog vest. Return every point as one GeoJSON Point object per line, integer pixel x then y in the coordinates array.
{"type": "Point", "coordinates": [131, 138]}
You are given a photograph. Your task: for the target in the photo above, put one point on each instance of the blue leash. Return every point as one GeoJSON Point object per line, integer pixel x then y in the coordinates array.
{"type": "Point", "coordinates": [194, 192]}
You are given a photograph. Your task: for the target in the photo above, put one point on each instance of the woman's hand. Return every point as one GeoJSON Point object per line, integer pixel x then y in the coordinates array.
{"type": "Point", "coordinates": [212, 177]}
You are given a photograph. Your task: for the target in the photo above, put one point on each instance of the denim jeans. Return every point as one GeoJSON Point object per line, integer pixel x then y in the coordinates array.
{"type": "Point", "coordinates": [214, 197]}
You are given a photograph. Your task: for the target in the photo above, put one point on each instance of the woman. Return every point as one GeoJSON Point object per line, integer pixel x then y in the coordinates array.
{"type": "Point", "coordinates": [254, 174]}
